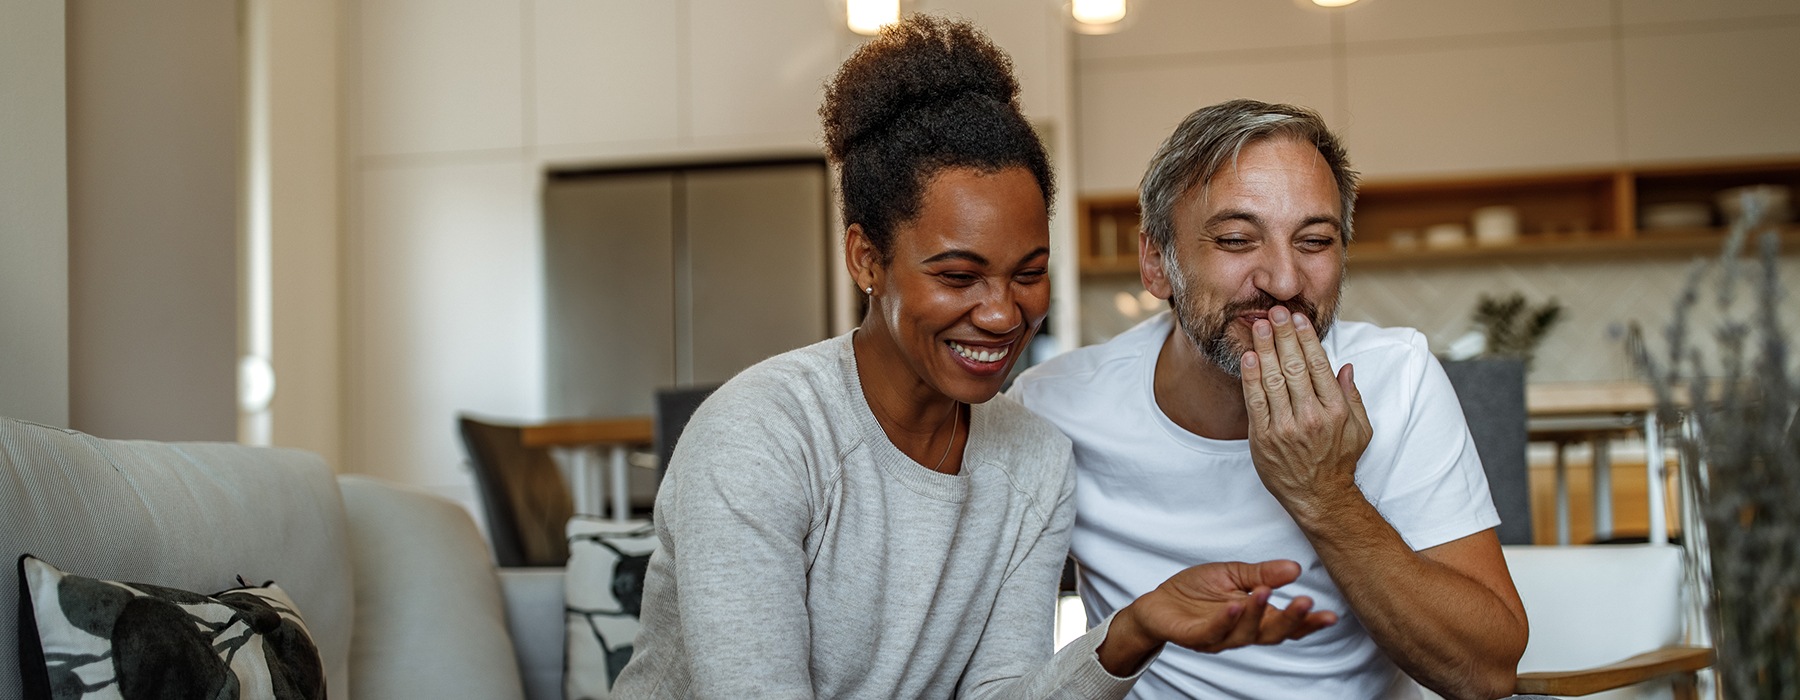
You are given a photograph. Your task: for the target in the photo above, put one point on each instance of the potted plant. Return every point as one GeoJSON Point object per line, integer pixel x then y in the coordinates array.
{"type": "Point", "coordinates": [1741, 450]}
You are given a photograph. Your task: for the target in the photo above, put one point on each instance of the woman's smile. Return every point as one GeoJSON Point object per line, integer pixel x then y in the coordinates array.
{"type": "Point", "coordinates": [982, 359]}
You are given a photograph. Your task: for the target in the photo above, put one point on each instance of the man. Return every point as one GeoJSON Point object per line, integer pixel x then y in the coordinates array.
{"type": "Point", "coordinates": [1244, 426]}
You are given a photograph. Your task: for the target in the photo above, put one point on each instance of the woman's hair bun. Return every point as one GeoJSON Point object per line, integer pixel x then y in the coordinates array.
{"type": "Point", "coordinates": [926, 95]}
{"type": "Point", "coordinates": [922, 61]}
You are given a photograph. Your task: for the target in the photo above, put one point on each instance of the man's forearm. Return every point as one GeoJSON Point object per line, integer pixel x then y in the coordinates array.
{"type": "Point", "coordinates": [1445, 629]}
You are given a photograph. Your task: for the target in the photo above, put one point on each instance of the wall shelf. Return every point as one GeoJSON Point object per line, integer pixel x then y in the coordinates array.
{"type": "Point", "coordinates": [1571, 215]}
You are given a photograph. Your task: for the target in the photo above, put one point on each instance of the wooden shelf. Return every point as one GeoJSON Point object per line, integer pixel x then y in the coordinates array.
{"type": "Point", "coordinates": [1660, 244]}
{"type": "Point", "coordinates": [1108, 227]}
{"type": "Point", "coordinates": [1570, 215]}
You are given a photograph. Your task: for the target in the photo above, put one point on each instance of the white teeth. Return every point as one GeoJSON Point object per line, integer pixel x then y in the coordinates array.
{"type": "Point", "coordinates": [980, 355]}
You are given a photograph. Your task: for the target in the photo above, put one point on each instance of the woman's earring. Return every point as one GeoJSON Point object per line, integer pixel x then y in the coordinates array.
{"type": "Point", "coordinates": [869, 291]}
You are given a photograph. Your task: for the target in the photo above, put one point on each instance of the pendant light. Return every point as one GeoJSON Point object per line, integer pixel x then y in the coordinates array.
{"type": "Point", "coordinates": [1098, 16]}
{"type": "Point", "coordinates": [869, 16]}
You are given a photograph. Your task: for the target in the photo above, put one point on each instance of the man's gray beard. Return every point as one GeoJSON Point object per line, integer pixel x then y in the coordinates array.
{"type": "Point", "coordinates": [1210, 337]}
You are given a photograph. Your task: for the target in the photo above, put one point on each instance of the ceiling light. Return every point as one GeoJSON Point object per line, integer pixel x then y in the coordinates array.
{"type": "Point", "coordinates": [1332, 3]}
{"type": "Point", "coordinates": [1098, 16]}
{"type": "Point", "coordinates": [869, 16]}
{"type": "Point", "coordinates": [1097, 11]}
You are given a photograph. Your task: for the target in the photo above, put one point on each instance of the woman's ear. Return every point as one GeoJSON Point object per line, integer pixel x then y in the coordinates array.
{"type": "Point", "coordinates": [861, 258]}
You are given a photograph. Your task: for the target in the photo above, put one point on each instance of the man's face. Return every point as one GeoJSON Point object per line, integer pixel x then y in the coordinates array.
{"type": "Point", "coordinates": [1267, 230]}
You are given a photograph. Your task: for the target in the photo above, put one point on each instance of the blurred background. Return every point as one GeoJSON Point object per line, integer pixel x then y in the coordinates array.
{"type": "Point", "coordinates": [336, 225]}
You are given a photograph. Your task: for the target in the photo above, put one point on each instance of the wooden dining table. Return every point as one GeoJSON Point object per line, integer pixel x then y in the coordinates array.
{"type": "Point", "coordinates": [1597, 413]}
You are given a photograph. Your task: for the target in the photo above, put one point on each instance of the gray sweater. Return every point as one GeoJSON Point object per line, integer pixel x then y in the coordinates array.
{"type": "Point", "coordinates": [803, 555]}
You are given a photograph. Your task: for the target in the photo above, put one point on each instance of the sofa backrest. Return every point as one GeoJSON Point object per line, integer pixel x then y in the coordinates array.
{"type": "Point", "coordinates": [430, 620]}
{"type": "Point", "coordinates": [193, 516]}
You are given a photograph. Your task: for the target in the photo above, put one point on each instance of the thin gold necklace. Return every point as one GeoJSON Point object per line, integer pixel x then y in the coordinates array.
{"type": "Point", "coordinates": [955, 417]}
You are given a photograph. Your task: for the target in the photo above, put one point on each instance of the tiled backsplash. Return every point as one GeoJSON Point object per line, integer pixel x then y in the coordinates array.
{"type": "Point", "coordinates": [1600, 300]}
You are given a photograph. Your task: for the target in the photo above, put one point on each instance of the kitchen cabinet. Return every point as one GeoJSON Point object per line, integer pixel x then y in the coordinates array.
{"type": "Point", "coordinates": [678, 277]}
{"type": "Point", "coordinates": [1591, 214]}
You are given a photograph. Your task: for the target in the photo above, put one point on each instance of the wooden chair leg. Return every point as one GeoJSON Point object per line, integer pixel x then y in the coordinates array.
{"type": "Point", "coordinates": [1685, 689]}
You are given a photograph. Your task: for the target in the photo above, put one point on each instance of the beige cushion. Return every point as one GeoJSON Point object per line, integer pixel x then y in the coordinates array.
{"type": "Point", "coordinates": [430, 620]}
{"type": "Point", "coordinates": [192, 516]}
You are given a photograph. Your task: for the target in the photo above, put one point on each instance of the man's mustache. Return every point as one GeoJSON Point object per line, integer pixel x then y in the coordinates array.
{"type": "Point", "coordinates": [1263, 302]}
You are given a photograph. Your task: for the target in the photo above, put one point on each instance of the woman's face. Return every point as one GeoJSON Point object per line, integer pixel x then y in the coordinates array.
{"type": "Point", "coordinates": [968, 283]}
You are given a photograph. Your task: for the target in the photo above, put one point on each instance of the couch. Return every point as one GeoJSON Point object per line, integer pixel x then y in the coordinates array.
{"type": "Point", "coordinates": [396, 586]}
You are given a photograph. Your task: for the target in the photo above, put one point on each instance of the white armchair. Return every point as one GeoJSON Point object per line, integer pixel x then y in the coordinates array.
{"type": "Point", "coordinates": [1608, 620]}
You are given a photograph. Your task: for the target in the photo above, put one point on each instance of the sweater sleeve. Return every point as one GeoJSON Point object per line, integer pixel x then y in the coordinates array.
{"type": "Point", "coordinates": [737, 515]}
{"type": "Point", "coordinates": [1011, 661]}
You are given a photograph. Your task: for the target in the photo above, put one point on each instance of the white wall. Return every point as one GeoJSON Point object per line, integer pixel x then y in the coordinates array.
{"type": "Point", "coordinates": [454, 110]}
{"type": "Point", "coordinates": [1428, 87]}
{"type": "Point", "coordinates": [34, 224]}
{"type": "Point", "coordinates": [305, 225]}
{"type": "Point", "coordinates": [1422, 88]}
{"type": "Point", "coordinates": [153, 117]}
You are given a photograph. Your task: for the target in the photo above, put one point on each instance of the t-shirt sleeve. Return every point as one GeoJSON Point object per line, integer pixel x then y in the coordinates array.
{"type": "Point", "coordinates": [1013, 660]}
{"type": "Point", "coordinates": [1437, 491]}
{"type": "Point", "coordinates": [736, 512]}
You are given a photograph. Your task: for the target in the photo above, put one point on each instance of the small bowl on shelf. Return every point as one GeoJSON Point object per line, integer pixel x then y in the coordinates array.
{"type": "Point", "coordinates": [1446, 237]}
{"type": "Point", "coordinates": [1675, 216]}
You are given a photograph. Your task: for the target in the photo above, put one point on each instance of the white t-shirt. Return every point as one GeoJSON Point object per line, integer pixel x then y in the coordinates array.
{"type": "Point", "coordinates": [1152, 499]}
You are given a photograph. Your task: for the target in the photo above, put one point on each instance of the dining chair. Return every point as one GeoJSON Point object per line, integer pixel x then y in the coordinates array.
{"type": "Point", "coordinates": [1607, 621]}
{"type": "Point", "coordinates": [675, 406]}
{"type": "Point", "coordinates": [523, 495]}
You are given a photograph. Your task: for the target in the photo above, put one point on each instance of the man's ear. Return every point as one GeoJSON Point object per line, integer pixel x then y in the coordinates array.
{"type": "Point", "coordinates": [1150, 268]}
{"type": "Point", "coordinates": [861, 258]}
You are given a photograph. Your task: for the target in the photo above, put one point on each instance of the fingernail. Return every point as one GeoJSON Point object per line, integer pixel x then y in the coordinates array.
{"type": "Point", "coordinates": [1250, 360]}
{"type": "Point", "coordinates": [1278, 314]}
{"type": "Point", "coordinates": [1263, 329]}
{"type": "Point", "coordinates": [1301, 322]}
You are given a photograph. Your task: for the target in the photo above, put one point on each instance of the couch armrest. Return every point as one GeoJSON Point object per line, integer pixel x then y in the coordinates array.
{"type": "Point", "coordinates": [534, 615]}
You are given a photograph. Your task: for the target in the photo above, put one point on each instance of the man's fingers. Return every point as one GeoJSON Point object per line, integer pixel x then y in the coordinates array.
{"type": "Point", "coordinates": [1296, 622]}
{"type": "Point", "coordinates": [1314, 622]}
{"type": "Point", "coordinates": [1292, 359]}
{"type": "Point", "coordinates": [1274, 385]}
{"type": "Point", "coordinates": [1248, 629]}
{"type": "Point", "coordinates": [1275, 573]}
{"type": "Point", "coordinates": [1318, 366]}
{"type": "Point", "coordinates": [1278, 624]}
{"type": "Point", "coordinates": [1255, 401]}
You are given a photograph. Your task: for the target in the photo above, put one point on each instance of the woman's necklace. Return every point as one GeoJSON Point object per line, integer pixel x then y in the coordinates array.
{"type": "Point", "coordinates": [955, 417]}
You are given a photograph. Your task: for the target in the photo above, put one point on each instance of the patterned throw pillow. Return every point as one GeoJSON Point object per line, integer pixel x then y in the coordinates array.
{"type": "Point", "coordinates": [605, 590]}
{"type": "Point", "coordinates": [88, 638]}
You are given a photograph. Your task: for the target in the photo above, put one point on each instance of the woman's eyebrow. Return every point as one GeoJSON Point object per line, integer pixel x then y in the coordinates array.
{"type": "Point", "coordinates": [958, 254]}
{"type": "Point", "coordinates": [979, 259]}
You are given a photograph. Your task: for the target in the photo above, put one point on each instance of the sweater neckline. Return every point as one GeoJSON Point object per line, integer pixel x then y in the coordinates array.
{"type": "Point", "coordinates": [917, 477]}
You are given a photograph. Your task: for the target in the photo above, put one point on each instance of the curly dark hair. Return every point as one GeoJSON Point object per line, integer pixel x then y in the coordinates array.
{"type": "Point", "coordinates": [927, 94]}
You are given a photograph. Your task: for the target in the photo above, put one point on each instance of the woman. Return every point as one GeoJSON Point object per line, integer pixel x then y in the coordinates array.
{"type": "Point", "coordinates": [862, 517]}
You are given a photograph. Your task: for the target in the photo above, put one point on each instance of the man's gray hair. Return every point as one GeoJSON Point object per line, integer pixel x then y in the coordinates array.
{"type": "Point", "coordinates": [1211, 135]}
